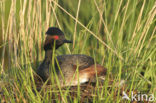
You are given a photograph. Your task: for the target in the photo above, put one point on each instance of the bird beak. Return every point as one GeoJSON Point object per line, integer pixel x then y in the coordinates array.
{"type": "Point", "coordinates": [67, 41]}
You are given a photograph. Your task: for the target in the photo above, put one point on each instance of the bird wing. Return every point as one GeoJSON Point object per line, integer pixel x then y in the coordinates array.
{"type": "Point", "coordinates": [76, 60]}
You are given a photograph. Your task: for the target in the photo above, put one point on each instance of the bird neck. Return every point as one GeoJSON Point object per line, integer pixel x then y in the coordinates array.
{"type": "Point", "coordinates": [48, 55]}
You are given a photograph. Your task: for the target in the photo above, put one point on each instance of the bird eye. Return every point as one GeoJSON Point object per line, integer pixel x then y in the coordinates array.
{"type": "Point", "coordinates": [55, 37]}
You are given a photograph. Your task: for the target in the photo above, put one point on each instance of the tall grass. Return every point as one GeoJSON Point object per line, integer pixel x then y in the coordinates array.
{"type": "Point", "coordinates": [119, 34]}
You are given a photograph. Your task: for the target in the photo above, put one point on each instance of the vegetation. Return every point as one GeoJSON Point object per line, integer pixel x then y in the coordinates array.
{"type": "Point", "coordinates": [119, 34]}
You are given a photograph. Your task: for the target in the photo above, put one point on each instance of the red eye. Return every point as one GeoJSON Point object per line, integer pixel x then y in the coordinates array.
{"type": "Point", "coordinates": [56, 37]}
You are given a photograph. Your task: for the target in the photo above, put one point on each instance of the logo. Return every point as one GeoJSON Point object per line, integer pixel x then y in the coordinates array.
{"type": "Point", "coordinates": [125, 96]}
{"type": "Point", "coordinates": [138, 97]}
